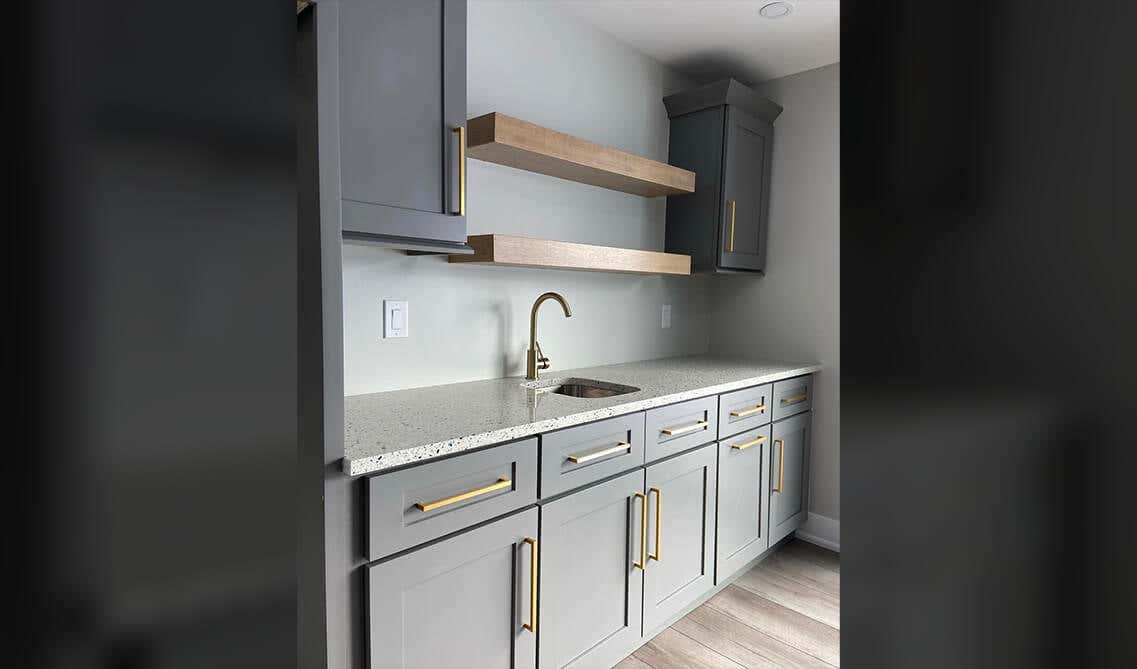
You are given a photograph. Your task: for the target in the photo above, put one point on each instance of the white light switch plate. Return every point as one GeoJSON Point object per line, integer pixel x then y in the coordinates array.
{"type": "Point", "coordinates": [396, 318]}
{"type": "Point", "coordinates": [666, 318]}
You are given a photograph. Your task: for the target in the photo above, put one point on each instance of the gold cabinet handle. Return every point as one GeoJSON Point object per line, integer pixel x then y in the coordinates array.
{"type": "Point", "coordinates": [733, 205]}
{"type": "Point", "coordinates": [589, 457]}
{"type": "Point", "coordinates": [439, 503]}
{"type": "Point", "coordinates": [698, 425]}
{"type": "Point", "coordinates": [461, 130]}
{"type": "Point", "coordinates": [658, 520]}
{"type": "Point", "coordinates": [752, 442]}
{"type": "Point", "coordinates": [781, 461]}
{"type": "Point", "coordinates": [533, 569]}
{"type": "Point", "coordinates": [795, 399]}
{"type": "Point", "coordinates": [761, 408]}
{"type": "Point", "coordinates": [643, 531]}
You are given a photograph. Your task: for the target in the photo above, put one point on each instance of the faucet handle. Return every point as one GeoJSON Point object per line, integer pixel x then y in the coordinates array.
{"type": "Point", "coordinates": [543, 362]}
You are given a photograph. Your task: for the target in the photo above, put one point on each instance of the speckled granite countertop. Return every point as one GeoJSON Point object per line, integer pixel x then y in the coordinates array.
{"type": "Point", "coordinates": [387, 430]}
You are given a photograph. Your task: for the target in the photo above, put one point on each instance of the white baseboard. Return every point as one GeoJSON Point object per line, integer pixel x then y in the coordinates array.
{"type": "Point", "coordinates": [824, 532]}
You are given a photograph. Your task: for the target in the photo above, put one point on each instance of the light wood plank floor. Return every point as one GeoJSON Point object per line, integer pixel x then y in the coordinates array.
{"type": "Point", "coordinates": [785, 612]}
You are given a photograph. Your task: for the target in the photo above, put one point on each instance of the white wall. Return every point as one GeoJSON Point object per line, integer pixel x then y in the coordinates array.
{"type": "Point", "coordinates": [469, 322]}
{"type": "Point", "coordinates": [792, 313]}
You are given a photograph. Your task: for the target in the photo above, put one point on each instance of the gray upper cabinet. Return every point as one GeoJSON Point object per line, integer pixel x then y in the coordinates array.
{"type": "Point", "coordinates": [591, 588]}
{"type": "Point", "coordinates": [681, 535]}
{"type": "Point", "coordinates": [466, 597]}
{"type": "Point", "coordinates": [723, 132]}
{"type": "Point", "coordinates": [392, 118]}
{"type": "Point", "coordinates": [789, 475]}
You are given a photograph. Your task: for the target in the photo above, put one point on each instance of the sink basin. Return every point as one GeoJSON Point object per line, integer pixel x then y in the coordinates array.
{"type": "Point", "coordinates": [586, 388]}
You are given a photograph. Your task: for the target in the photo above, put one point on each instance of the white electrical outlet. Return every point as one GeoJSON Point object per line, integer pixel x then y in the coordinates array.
{"type": "Point", "coordinates": [666, 316]}
{"type": "Point", "coordinates": [396, 318]}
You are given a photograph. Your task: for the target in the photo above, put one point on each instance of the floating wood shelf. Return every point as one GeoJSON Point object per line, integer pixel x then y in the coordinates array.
{"type": "Point", "coordinates": [549, 254]}
{"type": "Point", "coordinates": [497, 138]}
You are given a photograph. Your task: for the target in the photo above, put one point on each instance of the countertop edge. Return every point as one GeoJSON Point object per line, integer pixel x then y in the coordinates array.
{"type": "Point", "coordinates": [382, 463]}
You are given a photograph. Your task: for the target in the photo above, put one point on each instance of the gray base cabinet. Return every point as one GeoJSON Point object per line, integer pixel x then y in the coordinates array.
{"type": "Point", "coordinates": [463, 598]}
{"type": "Point", "coordinates": [591, 592]}
{"type": "Point", "coordinates": [681, 534]}
{"type": "Point", "coordinates": [789, 475]}
{"type": "Point", "coordinates": [744, 479]}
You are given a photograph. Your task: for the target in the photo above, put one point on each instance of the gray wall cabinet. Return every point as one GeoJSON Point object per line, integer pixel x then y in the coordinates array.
{"type": "Point", "coordinates": [462, 598]}
{"type": "Point", "coordinates": [744, 479]}
{"type": "Point", "coordinates": [681, 534]}
{"type": "Point", "coordinates": [723, 132]}
{"type": "Point", "coordinates": [789, 464]}
{"type": "Point", "coordinates": [400, 90]}
{"type": "Point", "coordinates": [591, 592]}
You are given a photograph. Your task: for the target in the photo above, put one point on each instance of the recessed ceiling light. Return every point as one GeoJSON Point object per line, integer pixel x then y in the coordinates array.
{"type": "Point", "coordinates": [776, 10]}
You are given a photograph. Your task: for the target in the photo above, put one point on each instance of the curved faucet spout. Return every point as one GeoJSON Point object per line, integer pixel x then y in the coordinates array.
{"type": "Point", "coordinates": [534, 359]}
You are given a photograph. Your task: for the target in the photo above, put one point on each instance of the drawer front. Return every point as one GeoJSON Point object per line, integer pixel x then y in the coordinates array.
{"type": "Point", "coordinates": [415, 505]}
{"type": "Point", "coordinates": [675, 428]}
{"type": "Point", "coordinates": [744, 409]}
{"type": "Point", "coordinates": [579, 455]}
{"type": "Point", "coordinates": [793, 396]}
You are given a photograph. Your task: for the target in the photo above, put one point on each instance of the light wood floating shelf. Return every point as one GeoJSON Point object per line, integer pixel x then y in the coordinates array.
{"type": "Point", "coordinates": [549, 254]}
{"type": "Point", "coordinates": [497, 138]}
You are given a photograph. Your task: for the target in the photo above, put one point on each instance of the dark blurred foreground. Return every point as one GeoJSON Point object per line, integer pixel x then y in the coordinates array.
{"type": "Point", "coordinates": [988, 334]}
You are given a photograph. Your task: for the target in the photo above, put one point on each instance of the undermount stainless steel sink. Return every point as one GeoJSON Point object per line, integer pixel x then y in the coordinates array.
{"type": "Point", "coordinates": [586, 388]}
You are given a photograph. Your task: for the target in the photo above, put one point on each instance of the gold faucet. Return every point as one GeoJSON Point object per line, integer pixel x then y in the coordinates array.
{"type": "Point", "coordinates": [534, 359]}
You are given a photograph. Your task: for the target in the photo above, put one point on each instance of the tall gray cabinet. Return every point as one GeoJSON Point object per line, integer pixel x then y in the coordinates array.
{"type": "Point", "coordinates": [393, 119]}
{"type": "Point", "coordinates": [724, 132]}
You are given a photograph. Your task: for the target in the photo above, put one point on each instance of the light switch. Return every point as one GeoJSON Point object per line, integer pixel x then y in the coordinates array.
{"type": "Point", "coordinates": [666, 318]}
{"type": "Point", "coordinates": [396, 318]}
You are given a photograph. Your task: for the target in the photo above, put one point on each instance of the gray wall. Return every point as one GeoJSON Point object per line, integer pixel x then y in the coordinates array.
{"type": "Point", "coordinates": [792, 313]}
{"type": "Point", "coordinates": [470, 322]}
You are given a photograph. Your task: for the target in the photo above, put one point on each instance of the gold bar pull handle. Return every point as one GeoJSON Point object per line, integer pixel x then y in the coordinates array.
{"type": "Point", "coordinates": [589, 457]}
{"type": "Point", "coordinates": [752, 442]}
{"type": "Point", "coordinates": [795, 399]}
{"type": "Point", "coordinates": [461, 130]}
{"type": "Point", "coordinates": [439, 503]}
{"type": "Point", "coordinates": [643, 531]}
{"type": "Point", "coordinates": [761, 408]}
{"type": "Point", "coordinates": [697, 425]}
{"type": "Point", "coordinates": [658, 520]}
{"type": "Point", "coordinates": [781, 461]}
{"type": "Point", "coordinates": [533, 569]}
{"type": "Point", "coordinates": [733, 206]}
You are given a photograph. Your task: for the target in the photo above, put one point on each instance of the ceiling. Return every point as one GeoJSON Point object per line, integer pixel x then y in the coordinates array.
{"type": "Point", "coordinates": [713, 39]}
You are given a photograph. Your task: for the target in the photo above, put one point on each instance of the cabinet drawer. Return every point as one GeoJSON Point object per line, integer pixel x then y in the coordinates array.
{"type": "Point", "coordinates": [744, 409]}
{"type": "Point", "coordinates": [792, 396]}
{"type": "Point", "coordinates": [579, 455]}
{"type": "Point", "coordinates": [413, 506]}
{"type": "Point", "coordinates": [675, 428]}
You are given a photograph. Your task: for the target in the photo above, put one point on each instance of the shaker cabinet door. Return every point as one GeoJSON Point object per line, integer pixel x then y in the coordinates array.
{"type": "Point", "coordinates": [680, 534]}
{"type": "Point", "coordinates": [402, 99]}
{"type": "Point", "coordinates": [746, 191]}
{"type": "Point", "coordinates": [744, 479]}
{"type": "Point", "coordinates": [459, 603]}
{"type": "Point", "coordinates": [789, 472]}
{"type": "Point", "coordinates": [591, 588]}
